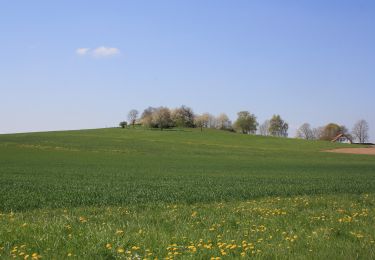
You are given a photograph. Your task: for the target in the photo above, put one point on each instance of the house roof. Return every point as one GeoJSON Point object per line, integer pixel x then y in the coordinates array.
{"type": "Point", "coordinates": [342, 135]}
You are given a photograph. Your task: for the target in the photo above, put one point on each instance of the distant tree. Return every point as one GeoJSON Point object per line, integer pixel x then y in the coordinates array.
{"type": "Point", "coordinates": [132, 116]}
{"type": "Point", "coordinates": [201, 121]}
{"type": "Point", "coordinates": [146, 117]}
{"type": "Point", "coordinates": [212, 121]}
{"type": "Point", "coordinates": [330, 131]}
{"type": "Point", "coordinates": [223, 122]}
{"type": "Point", "coordinates": [278, 127]}
{"type": "Point", "coordinates": [305, 132]}
{"type": "Point", "coordinates": [246, 122]}
{"type": "Point", "coordinates": [123, 124]}
{"type": "Point", "coordinates": [183, 117]}
{"type": "Point", "coordinates": [161, 118]}
{"type": "Point", "coordinates": [360, 131]}
{"type": "Point", "coordinates": [264, 128]}
{"type": "Point", "coordinates": [318, 132]}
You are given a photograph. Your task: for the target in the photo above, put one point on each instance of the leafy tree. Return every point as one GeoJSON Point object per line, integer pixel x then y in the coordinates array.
{"type": "Point", "coordinates": [183, 117]}
{"type": "Point", "coordinates": [360, 131]}
{"type": "Point", "coordinates": [132, 116]}
{"type": "Point", "coordinates": [246, 122]}
{"type": "Point", "coordinates": [278, 127]}
{"type": "Point", "coordinates": [305, 132]}
{"type": "Point", "coordinates": [123, 124]}
{"type": "Point", "coordinates": [330, 131]}
{"type": "Point", "coordinates": [161, 118]}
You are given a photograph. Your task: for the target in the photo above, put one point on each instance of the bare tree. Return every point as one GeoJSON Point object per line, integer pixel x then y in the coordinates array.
{"type": "Point", "coordinates": [263, 128]}
{"type": "Point", "coordinates": [161, 117]}
{"type": "Point", "coordinates": [305, 132]}
{"type": "Point", "coordinates": [132, 116]}
{"type": "Point", "coordinates": [360, 131]}
{"type": "Point", "coordinates": [318, 132]}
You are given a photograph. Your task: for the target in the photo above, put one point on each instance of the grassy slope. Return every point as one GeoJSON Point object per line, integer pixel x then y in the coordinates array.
{"type": "Point", "coordinates": [160, 178]}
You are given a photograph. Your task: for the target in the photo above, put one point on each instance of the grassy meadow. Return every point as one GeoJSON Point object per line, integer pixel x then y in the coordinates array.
{"type": "Point", "coordinates": [182, 194]}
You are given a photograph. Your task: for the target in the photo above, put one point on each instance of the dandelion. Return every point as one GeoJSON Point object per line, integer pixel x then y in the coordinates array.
{"type": "Point", "coordinates": [108, 246]}
{"type": "Point", "coordinates": [82, 219]}
{"type": "Point", "coordinates": [120, 250]}
{"type": "Point", "coordinates": [119, 232]}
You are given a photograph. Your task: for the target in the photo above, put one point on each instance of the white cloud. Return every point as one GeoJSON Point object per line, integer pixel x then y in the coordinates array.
{"type": "Point", "coordinates": [105, 52]}
{"type": "Point", "coordinates": [82, 51]}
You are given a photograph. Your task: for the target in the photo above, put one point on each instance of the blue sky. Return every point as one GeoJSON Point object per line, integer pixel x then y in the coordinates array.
{"type": "Point", "coordinates": [309, 61]}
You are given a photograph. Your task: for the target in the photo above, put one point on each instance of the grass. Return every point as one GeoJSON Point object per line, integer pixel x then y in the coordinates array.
{"type": "Point", "coordinates": [118, 193]}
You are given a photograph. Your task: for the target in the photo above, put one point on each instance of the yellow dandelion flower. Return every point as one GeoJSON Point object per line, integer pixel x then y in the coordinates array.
{"type": "Point", "coordinates": [108, 246]}
{"type": "Point", "coordinates": [82, 219]}
{"type": "Point", "coordinates": [119, 232]}
{"type": "Point", "coordinates": [120, 250]}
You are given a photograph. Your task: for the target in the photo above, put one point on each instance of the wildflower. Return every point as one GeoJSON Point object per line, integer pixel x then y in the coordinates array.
{"type": "Point", "coordinates": [108, 246]}
{"type": "Point", "coordinates": [69, 254]}
{"type": "Point", "coordinates": [82, 219]}
{"type": "Point", "coordinates": [119, 232]}
{"type": "Point", "coordinates": [120, 250]}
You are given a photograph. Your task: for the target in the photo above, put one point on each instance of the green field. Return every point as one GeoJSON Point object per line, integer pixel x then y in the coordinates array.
{"type": "Point", "coordinates": [137, 193]}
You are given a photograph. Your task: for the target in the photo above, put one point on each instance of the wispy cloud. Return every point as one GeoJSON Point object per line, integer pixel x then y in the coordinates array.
{"type": "Point", "coordinates": [82, 51]}
{"type": "Point", "coordinates": [105, 51]}
{"type": "Point", "coordinates": [99, 52]}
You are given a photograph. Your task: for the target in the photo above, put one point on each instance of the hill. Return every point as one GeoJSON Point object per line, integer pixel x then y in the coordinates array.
{"type": "Point", "coordinates": [146, 193]}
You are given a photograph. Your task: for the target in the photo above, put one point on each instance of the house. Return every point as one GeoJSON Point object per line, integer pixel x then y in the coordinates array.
{"type": "Point", "coordinates": [342, 138]}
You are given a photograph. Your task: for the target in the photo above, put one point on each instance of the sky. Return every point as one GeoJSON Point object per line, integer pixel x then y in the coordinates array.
{"type": "Point", "coordinates": [85, 64]}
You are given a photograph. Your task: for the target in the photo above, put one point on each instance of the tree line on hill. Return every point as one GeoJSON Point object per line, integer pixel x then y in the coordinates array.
{"type": "Point", "coordinates": [359, 132]}
{"type": "Point", "coordinates": [246, 123]}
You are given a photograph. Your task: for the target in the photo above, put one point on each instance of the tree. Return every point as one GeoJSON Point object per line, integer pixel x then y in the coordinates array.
{"type": "Point", "coordinates": [264, 128]}
{"type": "Point", "coordinates": [318, 132]}
{"type": "Point", "coordinates": [161, 118]}
{"type": "Point", "coordinates": [212, 121]}
{"type": "Point", "coordinates": [183, 117]}
{"type": "Point", "coordinates": [223, 122]}
{"type": "Point", "coordinates": [202, 120]}
{"type": "Point", "coordinates": [246, 122]}
{"type": "Point", "coordinates": [305, 132]}
{"type": "Point", "coordinates": [123, 124]}
{"type": "Point", "coordinates": [132, 116]}
{"type": "Point", "coordinates": [360, 131]}
{"type": "Point", "coordinates": [330, 131]}
{"type": "Point", "coordinates": [278, 127]}
{"type": "Point", "coordinates": [146, 117]}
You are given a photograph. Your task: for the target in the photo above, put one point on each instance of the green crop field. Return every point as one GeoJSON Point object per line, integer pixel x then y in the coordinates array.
{"type": "Point", "coordinates": [182, 194]}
